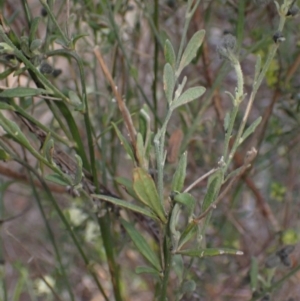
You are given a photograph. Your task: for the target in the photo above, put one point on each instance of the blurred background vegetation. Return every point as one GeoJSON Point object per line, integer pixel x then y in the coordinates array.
{"type": "Point", "coordinates": [260, 214]}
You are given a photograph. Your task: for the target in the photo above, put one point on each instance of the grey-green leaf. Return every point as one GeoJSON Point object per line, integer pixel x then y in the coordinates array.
{"type": "Point", "coordinates": [127, 185]}
{"type": "Point", "coordinates": [257, 68]}
{"type": "Point", "coordinates": [57, 179]}
{"type": "Point", "coordinates": [250, 129]}
{"type": "Point", "coordinates": [254, 273]}
{"type": "Point", "coordinates": [209, 252]}
{"type": "Point", "coordinates": [189, 232]}
{"type": "Point", "coordinates": [169, 82]}
{"type": "Point", "coordinates": [126, 205]}
{"type": "Point", "coordinates": [124, 142]}
{"type": "Point", "coordinates": [22, 92]}
{"type": "Point", "coordinates": [186, 200]}
{"type": "Point", "coordinates": [142, 245]}
{"type": "Point", "coordinates": [170, 55]}
{"type": "Point", "coordinates": [188, 286]}
{"type": "Point", "coordinates": [4, 156]}
{"type": "Point", "coordinates": [190, 50]}
{"type": "Point", "coordinates": [214, 185]}
{"type": "Point", "coordinates": [226, 121]}
{"type": "Point", "coordinates": [188, 96]}
{"type": "Point", "coordinates": [146, 270]}
{"type": "Point", "coordinates": [180, 173]}
{"type": "Point", "coordinates": [145, 188]}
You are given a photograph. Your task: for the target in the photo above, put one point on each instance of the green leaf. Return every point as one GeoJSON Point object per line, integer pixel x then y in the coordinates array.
{"type": "Point", "coordinates": [178, 266]}
{"type": "Point", "coordinates": [79, 147]}
{"type": "Point", "coordinates": [6, 106]}
{"type": "Point", "coordinates": [4, 156]}
{"type": "Point", "coordinates": [257, 68]}
{"type": "Point", "coordinates": [189, 232]}
{"type": "Point", "coordinates": [188, 286]}
{"type": "Point", "coordinates": [124, 142]}
{"type": "Point", "coordinates": [146, 270]}
{"type": "Point", "coordinates": [35, 44]}
{"type": "Point", "coordinates": [188, 96]}
{"type": "Point", "coordinates": [209, 252]}
{"type": "Point", "coordinates": [78, 173]}
{"type": "Point", "coordinates": [142, 245]}
{"type": "Point", "coordinates": [170, 55]}
{"type": "Point", "coordinates": [57, 179]}
{"type": "Point", "coordinates": [145, 189]}
{"type": "Point", "coordinates": [13, 129]}
{"type": "Point", "coordinates": [76, 37]}
{"type": "Point", "coordinates": [191, 50]}
{"type": "Point", "coordinates": [169, 82]}
{"type": "Point", "coordinates": [22, 92]}
{"type": "Point", "coordinates": [214, 184]}
{"type": "Point", "coordinates": [226, 121]}
{"type": "Point", "coordinates": [250, 129]}
{"type": "Point", "coordinates": [74, 98]}
{"type": "Point", "coordinates": [254, 273]}
{"type": "Point", "coordinates": [187, 200]}
{"type": "Point", "coordinates": [126, 205]}
{"type": "Point", "coordinates": [34, 25]}
{"type": "Point", "coordinates": [180, 173]}
{"type": "Point", "coordinates": [234, 173]}
{"type": "Point", "coordinates": [128, 186]}
{"type": "Point", "coordinates": [6, 73]}
{"type": "Point", "coordinates": [140, 150]}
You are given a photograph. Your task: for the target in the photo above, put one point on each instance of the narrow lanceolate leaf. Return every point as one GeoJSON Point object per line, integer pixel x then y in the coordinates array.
{"type": "Point", "coordinates": [126, 205]}
{"type": "Point", "coordinates": [57, 179]}
{"type": "Point", "coordinates": [140, 150]}
{"type": "Point", "coordinates": [189, 232]}
{"type": "Point", "coordinates": [214, 184]}
{"type": "Point", "coordinates": [13, 129]}
{"type": "Point", "coordinates": [124, 142]}
{"type": "Point", "coordinates": [6, 73]}
{"type": "Point", "coordinates": [169, 82]}
{"type": "Point", "coordinates": [254, 273]}
{"type": "Point", "coordinates": [170, 55]}
{"type": "Point", "coordinates": [188, 286]}
{"type": "Point", "coordinates": [179, 176]}
{"type": "Point", "coordinates": [209, 252]}
{"type": "Point", "coordinates": [33, 28]}
{"type": "Point", "coordinates": [145, 189]}
{"type": "Point", "coordinates": [257, 68]}
{"type": "Point", "coordinates": [146, 270]}
{"type": "Point", "coordinates": [250, 129]}
{"type": "Point", "coordinates": [188, 96]}
{"type": "Point", "coordinates": [22, 92]}
{"type": "Point", "coordinates": [78, 173]}
{"type": "Point", "coordinates": [187, 200]}
{"type": "Point", "coordinates": [4, 156]}
{"type": "Point", "coordinates": [191, 50]}
{"type": "Point", "coordinates": [6, 106]}
{"type": "Point", "coordinates": [127, 184]}
{"type": "Point", "coordinates": [141, 245]}
{"type": "Point", "coordinates": [226, 121]}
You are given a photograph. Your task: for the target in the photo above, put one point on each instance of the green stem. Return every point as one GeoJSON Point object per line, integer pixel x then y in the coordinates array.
{"type": "Point", "coordinates": [64, 220]}
{"type": "Point", "coordinates": [53, 19]}
{"type": "Point", "coordinates": [159, 142]}
{"type": "Point", "coordinates": [29, 65]}
{"type": "Point", "coordinates": [52, 238]}
{"type": "Point", "coordinates": [155, 66]}
{"type": "Point", "coordinates": [104, 222]}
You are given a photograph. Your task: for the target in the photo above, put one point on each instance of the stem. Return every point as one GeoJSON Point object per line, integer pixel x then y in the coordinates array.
{"type": "Point", "coordinates": [159, 142]}
{"type": "Point", "coordinates": [155, 65]}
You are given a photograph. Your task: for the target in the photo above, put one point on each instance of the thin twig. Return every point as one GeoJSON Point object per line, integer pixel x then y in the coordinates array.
{"type": "Point", "coordinates": [122, 107]}
{"type": "Point", "coordinates": [200, 179]}
{"type": "Point", "coordinates": [248, 160]}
